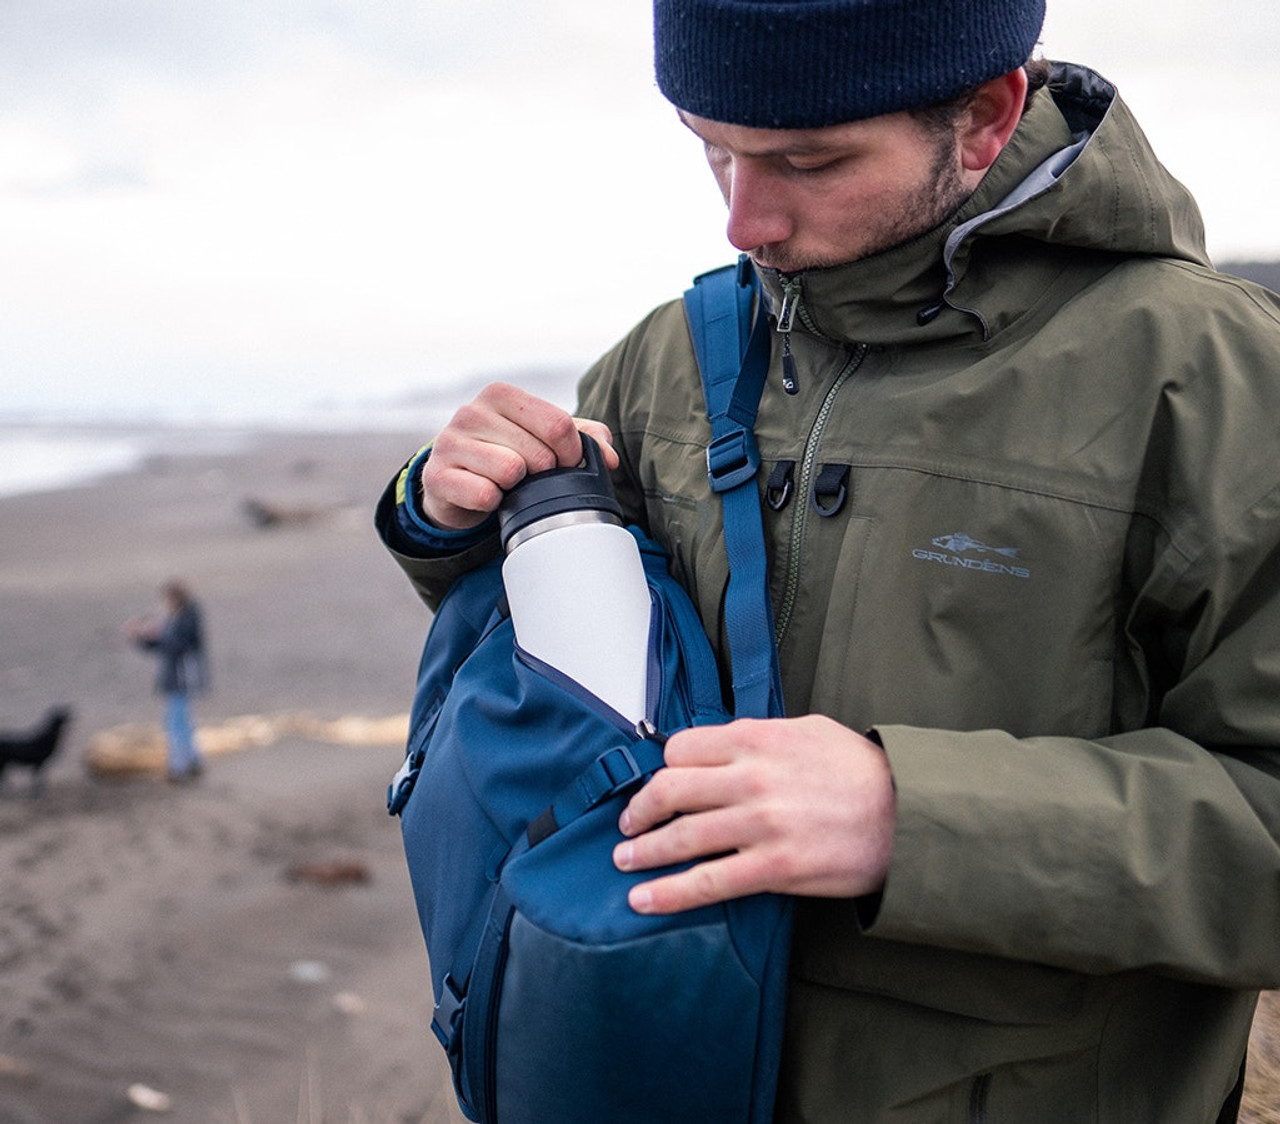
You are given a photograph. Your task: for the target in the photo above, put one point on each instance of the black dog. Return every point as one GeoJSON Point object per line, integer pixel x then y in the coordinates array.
{"type": "Point", "coordinates": [34, 748]}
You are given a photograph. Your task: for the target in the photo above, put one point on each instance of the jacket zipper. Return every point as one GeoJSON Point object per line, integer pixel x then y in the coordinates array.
{"type": "Point", "coordinates": [804, 483]}
{"type": "Point", "coordinates": [786, 321]}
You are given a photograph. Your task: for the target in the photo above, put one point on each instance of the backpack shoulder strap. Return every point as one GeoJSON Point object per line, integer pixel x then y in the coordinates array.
{"type": "Point", "coordinates": [733, 359]}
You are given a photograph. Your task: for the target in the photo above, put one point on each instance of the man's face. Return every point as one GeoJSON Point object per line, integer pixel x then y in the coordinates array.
{"type": "Point", "coordinates": [808, 198]}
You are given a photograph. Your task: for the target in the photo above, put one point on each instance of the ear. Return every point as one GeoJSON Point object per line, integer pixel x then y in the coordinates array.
{"type": "Point", "coordinates": [993, 113]}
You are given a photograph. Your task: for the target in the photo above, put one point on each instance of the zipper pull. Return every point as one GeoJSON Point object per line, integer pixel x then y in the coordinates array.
{"type": "Point", "coordinates": [786, 321]}
{"type": "Point", "coordinates": [646, 731]}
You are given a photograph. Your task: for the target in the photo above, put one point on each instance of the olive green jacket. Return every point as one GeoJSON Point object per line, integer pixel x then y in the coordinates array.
{"type": "Point", "coordinates": [1050, 582]}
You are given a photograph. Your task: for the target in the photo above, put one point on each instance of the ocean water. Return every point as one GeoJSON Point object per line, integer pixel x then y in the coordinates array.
{"type": "Point", "coordinates": [57, 452]}
{"type": "Point", "coordinates": [49, 456]}
{"type": "Point", "coordinates": [42, 458]}
{"type": "Point", "coordinates": [38, 460]}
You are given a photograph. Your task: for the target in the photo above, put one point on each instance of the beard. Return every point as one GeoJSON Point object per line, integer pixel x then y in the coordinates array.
{"type": "Point", "coordinates": [933, 202]}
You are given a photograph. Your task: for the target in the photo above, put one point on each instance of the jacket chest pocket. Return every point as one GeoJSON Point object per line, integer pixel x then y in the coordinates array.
{"type": "Point", "coordinates": [963, 605]}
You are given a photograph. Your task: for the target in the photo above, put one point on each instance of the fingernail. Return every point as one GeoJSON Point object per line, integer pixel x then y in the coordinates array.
{"type": "Point", "coordinates": [623, 855]}
{"type": "Point", "coordinates": [641, 899]}
{"type": "Point", "coordinates": [624, 821]}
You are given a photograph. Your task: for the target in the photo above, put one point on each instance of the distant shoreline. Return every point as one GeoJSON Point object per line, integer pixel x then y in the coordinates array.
{"type": "Point", "coordinates": [51, 456]}
{"type": "Point", "coordinates": [54, 451]}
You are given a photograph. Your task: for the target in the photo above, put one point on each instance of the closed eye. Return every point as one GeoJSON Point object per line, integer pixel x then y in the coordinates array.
{"type": "Point", "coordinates": [813, 167]}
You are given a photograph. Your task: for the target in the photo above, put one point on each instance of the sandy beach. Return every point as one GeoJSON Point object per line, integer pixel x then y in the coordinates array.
{"type": "Point", "coordinates": [165, 936]}
{"type": "Point", "coordinates": [151, 934]}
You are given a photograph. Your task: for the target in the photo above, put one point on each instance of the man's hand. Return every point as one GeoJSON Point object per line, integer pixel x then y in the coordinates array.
{"type": "Point", "coordinates": [493, 443]}
{"type": "Point", "coordinates": [788, 805]}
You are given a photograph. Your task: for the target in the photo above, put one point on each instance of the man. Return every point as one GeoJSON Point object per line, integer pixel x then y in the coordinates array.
{"type": "Point", "coordinates": [177, 640]}
{"type": "Point", "coordinates": [1023, 483]}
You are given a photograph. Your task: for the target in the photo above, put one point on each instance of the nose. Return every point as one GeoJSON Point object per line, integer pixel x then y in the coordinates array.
{"type": "Point", "coordinates": [758, 214]}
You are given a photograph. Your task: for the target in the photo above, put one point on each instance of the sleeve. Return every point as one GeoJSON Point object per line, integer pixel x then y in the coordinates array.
{"type": "Point", "coordinates": [431, 557]}
{"type": "Point", "coordinates": [1157, 848]}
{"type": "Point", "coordinates": [600, 398]}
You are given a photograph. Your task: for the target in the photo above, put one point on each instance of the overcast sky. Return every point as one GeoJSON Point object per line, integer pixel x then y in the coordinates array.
{"type": "Point", "coordinates": [247, 205]}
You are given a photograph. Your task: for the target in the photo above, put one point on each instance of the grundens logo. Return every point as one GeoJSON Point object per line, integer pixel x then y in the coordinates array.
{"type": "Point", "coordinates": [969, 554]}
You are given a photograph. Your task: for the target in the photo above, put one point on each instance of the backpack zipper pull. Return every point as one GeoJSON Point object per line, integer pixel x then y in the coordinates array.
{"type": "Point", "coordinates": [786, 321]}
{"type": "Point", "coordinates": [646, 731]}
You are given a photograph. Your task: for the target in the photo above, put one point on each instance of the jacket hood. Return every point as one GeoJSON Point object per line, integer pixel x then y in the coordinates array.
{"type": "Point", "coordinates": [1077, 176]}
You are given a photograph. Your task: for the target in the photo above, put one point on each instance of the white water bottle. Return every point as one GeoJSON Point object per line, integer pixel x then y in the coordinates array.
{"type": "Point", "coordinates": [575, 583]}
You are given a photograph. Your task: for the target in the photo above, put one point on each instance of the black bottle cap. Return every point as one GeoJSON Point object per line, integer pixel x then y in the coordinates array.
{"type": "Point", "coordinates": [585, 487]}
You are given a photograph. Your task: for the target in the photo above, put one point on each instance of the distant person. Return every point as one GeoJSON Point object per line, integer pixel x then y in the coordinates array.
{"type": "Point", "coordinates": [177, 639]}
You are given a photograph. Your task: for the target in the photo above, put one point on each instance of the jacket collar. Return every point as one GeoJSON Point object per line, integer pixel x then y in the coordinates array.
{"type": "Point", "coordinates": [953, 283]}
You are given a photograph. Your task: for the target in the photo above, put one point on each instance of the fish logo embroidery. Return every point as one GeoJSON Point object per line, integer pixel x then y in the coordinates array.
{"type": "Point", "coordinates": [959, 542]}
{"type": "Point", "coordinates": [958, 549]}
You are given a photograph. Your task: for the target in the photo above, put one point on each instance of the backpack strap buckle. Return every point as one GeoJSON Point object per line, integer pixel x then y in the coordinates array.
{"type": "Point", "coordinates": [615, 771]}
{"type": "Point", "coordinates": [732, 459]}
{"type": "Point", "coordinates": [447, 1016]}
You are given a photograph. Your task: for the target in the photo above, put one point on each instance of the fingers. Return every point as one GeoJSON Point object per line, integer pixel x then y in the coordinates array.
{"type": "Point", "coordinates": [708, 801]}
{"type": "Point", "coordinates": [798, 806]}
{"type": "Point", "coordinates": [494, 442]}
{"type": "Point", "coordinates": [699, 775]}
{"type": "Point", "coordinates": [603, 437]}
{"type": "Point", "coordinates": [717, 880]}
{"type": "Point", "coordinates": [506, 433]}
{"type": "Point", "coordinates": [741, 839]}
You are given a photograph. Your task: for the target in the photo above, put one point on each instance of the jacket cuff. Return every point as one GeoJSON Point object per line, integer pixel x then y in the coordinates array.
{"type": "Point", "coordinates": [408, 531]}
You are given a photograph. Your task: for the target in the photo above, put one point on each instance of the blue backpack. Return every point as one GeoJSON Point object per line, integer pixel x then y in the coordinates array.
{"type": "Point", "coordinates": [555, 1002]}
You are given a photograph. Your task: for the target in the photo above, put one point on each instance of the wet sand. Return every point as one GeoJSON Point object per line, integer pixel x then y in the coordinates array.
{"type": "Point", "coordinates": [150, 933]}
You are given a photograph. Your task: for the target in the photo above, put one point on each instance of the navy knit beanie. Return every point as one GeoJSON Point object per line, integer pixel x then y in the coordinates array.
{"type": "Point", "coordinates": [803, 64]}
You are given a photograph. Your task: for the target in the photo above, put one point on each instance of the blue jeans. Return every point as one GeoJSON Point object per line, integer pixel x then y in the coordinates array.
{"type": "Point", "coordinates": [178, 728]}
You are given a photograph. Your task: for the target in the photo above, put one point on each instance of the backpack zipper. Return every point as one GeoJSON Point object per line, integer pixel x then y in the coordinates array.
{"type": "Point", "coordinates": [792, 583]}
{"type": "Point", "coordinates": [576, 690]}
